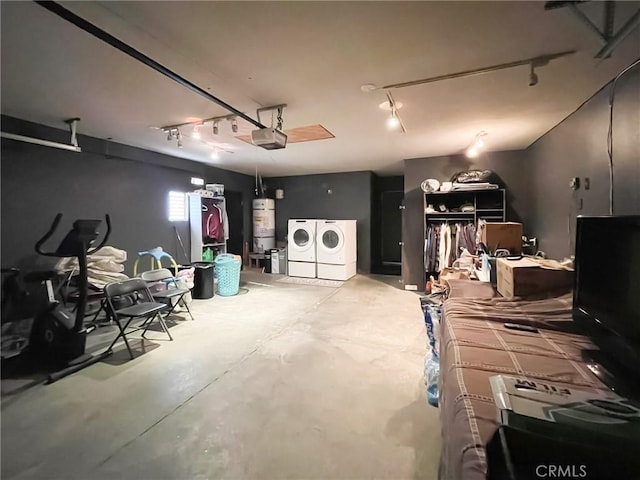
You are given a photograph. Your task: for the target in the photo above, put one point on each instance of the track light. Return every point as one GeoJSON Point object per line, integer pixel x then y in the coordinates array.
{"type": "Point", "coordinates": [169, 135]}
{"type": "Point", "coordinates": [234, 125]}
{"type": "Point", "coordinates": [196, 132]}
{"type": "Point", "coordinates": [533, 78]}
{"type": "Point", "coordinates": [478, 144]}
{"type": "Point", "coordinates": [179, 138]}
{"type": "Point", "coordinates": [393, 122]}
{"type": "Point", "coordinates": [215, 128]}
{"type": "Point", "coordinates": [538, 61]}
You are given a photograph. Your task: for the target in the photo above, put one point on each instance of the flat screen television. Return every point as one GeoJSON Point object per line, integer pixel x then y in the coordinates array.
{"type": "Point", "coordinates": [606, 297]}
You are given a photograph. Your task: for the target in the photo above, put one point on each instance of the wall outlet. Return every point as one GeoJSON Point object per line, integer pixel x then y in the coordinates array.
{"type": "Point", "coordinates": [587, 183]}
{"type": "Point", "coordinates": [413, 288]}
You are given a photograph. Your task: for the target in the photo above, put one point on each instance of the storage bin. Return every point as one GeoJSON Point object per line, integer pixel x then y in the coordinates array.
{"type": "Point", "coordinates": [228, 274]}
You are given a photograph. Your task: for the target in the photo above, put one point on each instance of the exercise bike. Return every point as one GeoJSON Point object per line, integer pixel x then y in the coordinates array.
{"type": "Point", "coordinates": [58, 335]}
{"type": "Point", "coordinates": [21, 302]}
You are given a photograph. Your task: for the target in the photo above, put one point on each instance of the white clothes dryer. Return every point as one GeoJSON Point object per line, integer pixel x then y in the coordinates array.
{"type": "Point", "coordinates": [336, 242]}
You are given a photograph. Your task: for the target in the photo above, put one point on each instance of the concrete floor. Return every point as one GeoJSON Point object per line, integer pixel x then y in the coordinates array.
{"type": "Point", "coordinates": [281, 381]}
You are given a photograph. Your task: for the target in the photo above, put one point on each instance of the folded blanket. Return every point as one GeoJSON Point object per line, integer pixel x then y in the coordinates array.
{"type": "Point", "coordinates": [103, 267]}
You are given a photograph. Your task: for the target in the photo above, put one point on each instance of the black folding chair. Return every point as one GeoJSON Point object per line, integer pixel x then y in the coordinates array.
{"type": "Point", "coordinates": [139, 304]}
{"type": "Point", "coordinates": [171, 293]}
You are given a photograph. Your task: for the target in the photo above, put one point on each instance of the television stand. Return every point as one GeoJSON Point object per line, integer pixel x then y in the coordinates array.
{"type": "Point", "coordinates": [620, 380]}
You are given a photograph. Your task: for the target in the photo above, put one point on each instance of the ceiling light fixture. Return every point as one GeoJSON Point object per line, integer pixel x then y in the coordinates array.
{"type": "Point", "coordinates": [173, 131]}
{"type": "Point", "coordinates": [533, 78]}
{"type": "Point", "coordinates": [265, 137]}
{"type": "Point", "coordinates": [476, 147]}
{"type": "Point", "coordinates": [394, 122]}
{"type": "Point", "coordinates": [472, 152]}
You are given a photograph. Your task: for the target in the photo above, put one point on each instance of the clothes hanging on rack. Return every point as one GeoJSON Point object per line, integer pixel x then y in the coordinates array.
{"type": "Point", "coordinates": [432, 246]}
{"type": "Point", "coordinates": [445, 246]}
{"type": "Point", "coordinates": [215, 224]}
{"type": "Point", "coordinates": [444, 243]}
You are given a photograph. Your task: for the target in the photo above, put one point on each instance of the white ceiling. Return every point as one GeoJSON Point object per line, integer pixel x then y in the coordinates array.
{"type": "Point", "coordinates": [313, 56]}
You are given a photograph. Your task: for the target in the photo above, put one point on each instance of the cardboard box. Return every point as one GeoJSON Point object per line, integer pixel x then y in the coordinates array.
{"type": "Point", "coordinates": [503, 235]}
{"type": "Point", "coordinates": [517, 278]}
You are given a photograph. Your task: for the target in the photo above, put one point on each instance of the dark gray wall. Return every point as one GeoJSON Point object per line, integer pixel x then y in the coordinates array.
{"type": "Point", "coordinates": [307, 196]}
{"type": "Point", "coordinates": [130, 184]}
{"type": "Point", "coordinates": [578, 148]}
{"type": "Point", "coordinates": [512, 169]}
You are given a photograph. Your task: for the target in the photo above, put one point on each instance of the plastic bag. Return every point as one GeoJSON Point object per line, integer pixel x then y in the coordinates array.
{"type": "Point", "coordinates": [472, 176]}
{"type": "Point", "coordinates": [432, 314]}
{"type": "Point", "coordinates": [186, 276]}
{"type": "Point", "coordinates": [431, 377]}
{"type": "Point", "coordinates": [183, 282]}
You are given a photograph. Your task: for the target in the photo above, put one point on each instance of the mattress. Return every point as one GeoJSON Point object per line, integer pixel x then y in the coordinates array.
{"type": "Point", "coordinates": [475, 345]}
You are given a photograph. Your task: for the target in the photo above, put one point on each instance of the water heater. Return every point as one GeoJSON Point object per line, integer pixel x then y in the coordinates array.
{"type": "Point", "coordinates": [264, 224]}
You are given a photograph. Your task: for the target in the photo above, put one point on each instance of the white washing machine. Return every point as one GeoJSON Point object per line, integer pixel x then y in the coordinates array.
{"type": "Point", "coordinates": [337, 252]}
{"type": "Point", "coordinates": [301, 248]}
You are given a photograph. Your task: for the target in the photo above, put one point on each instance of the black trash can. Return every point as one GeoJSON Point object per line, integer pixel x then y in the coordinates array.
{"type": "Point", "coordinates": [267, 261]}
{"type": "Point", "coordinates": [202, 280]}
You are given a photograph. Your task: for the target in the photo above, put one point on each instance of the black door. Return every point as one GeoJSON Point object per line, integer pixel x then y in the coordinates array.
{"type": "Point", "coordinates": [391, 231]}
{"type": "Point", "coordinates": [236, 221]}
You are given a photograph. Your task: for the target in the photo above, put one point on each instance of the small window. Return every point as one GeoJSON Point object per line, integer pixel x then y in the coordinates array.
{"type": "Point", "coordinates": [177, 207]}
